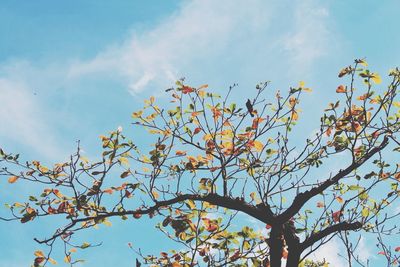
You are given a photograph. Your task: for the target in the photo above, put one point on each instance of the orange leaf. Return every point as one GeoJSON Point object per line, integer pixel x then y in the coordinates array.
{"type": "Point", "coordinates": [108, 191]}
{"type": "Point", "coordinates": [339, 199]}
{"type": "Point", "coordinates": [292, 101]}
{"type": "Point", "coordinates": [397, 249]}
{"type": "Point", "coordinates": [180, 153]}
{"type": "Point", "coordinates": [176, 264]}
{"type": "Point", "coordinates": [203, 86]}
{"type": "Point", "coordinates": [341, 89]}
{"type": "Point", "coordinates": [13, 179]}
{"type": "Point", "coordinates": [328, 131]}
{"type": "Point", "coordinates": [39, 253]}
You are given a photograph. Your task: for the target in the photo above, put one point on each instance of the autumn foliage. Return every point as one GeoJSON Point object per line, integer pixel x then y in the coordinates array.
{"type": "Point", "coordinates": [214, 161]}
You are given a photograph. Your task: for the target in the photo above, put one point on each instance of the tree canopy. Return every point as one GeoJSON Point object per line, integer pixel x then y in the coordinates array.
{"type": "Point", "coordinates": [213, 161]}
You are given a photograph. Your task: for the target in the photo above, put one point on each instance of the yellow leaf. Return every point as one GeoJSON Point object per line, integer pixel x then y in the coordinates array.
{"type": "Point", "coordinates": [365, 212]}
{"type": "Point", "coordinates": [52, 261]}
{"type": "Point", "coordinates": [155, 194]}
{"type": "Point", "coordinates": [13, 179]}
{"type": "Point", "coordinates": [84, 160]}
{"type": "Point", "coordinates": [253, 195]}
{"type": "Point", "coordinates": [302, 84]}
{"type": "Point", "coordinates": [362, 62]}
{"type": "Point", "coordinates": [207, 137]}
{"type": "Point", "coordinates": [258, 145]}
{"type": "Point", "coordinates": [152, 99]}
{"type": "Point", "coordinates": [67, 259]}
{"type": "Point", "coordinates": [176, 264]}
{"type": "Point", "coordinates": [191, 204]}
{"type": "Point", "coordinates": [123, 161]}
{"type": "Point", "coordinates": [376, 78]}
{"type": "Point", "coordinates": [39, 253]}
{"type": "Point", "coordinates": [137, 114]}
{"type": "Point", "coordinates": [203, 86]}
{"type": "Point", "coordinates": [295, 115]}
{"type": "Point", "coordinates": [107, 223]}
{"type": "Point", "coordinates": [202, 93]}
{"type": "Point", "coordinates": [396, 104]}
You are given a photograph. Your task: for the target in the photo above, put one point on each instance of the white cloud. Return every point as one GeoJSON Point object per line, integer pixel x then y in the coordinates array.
{"type": "Point", "coordinates": [330, 252]}
{"type": "Point", "coordinates": [218, 42]}
{"type": "Point", "coordinates": [23, 120]}
{"type": "Point", "coordinates": [364, 250]}
{"type": "Point", "coordinates": [246, 36]}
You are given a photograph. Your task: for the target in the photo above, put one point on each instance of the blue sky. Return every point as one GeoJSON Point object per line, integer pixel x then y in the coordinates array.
{"type": "Point", "coordinates": [74, 70]}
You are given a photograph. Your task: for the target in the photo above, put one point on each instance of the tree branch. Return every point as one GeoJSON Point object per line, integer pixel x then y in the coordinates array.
{"type": "Point", "coordinates": [260, 212]}
{"type": "Point", "coordinates": [343, 226]}
{"type": "Point", "coordinates": [302, 198]}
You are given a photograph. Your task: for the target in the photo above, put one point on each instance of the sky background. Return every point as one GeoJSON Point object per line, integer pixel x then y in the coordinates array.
{"type": "Point", "coordinates": [72, 70]}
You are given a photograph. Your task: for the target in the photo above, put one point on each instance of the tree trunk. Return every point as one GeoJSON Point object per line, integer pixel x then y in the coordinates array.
{"type": "Point", "coordinates": [293, 257]}
{"type": "Point", "coordinates": [276, 245]}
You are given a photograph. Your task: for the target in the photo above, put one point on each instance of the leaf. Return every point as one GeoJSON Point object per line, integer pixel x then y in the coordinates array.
{"type": "Point", "coordinates": [397, 249]}
{"type": "Point", "coordinates": [196, 131]}
{"type": "Point", "coordinates": [339, 199]}
{"type": "Point", "coordinates": [365, 212]}
{"type": "Point", "coordinates": [341, 89]}
{"type": "Point", "coordinates": [85, 245]}
{"type": "Point", "coordinates": [39, 253]}
{"type": "Point", "coordinates": [336, 216]}
{"type": "Point", "coordinates": [123, 161]}
{"type": "Point", "coordinates": [108, 191]}
{"type": "Point", "coordinates": [202, 86]}
{"type": "Point", "coordinates": [191, 204]}
{"type": "Point", "coordinates": [155, 194]}
{"type": "Point", "coordinates": [52, 261]}
{"type": "Point", "coordinates": [107, 223]}
{"type": "Point", "coordinates": [258, 145]}
{"type": "Point", "coordinates": [376, 78]}
{"type": "Point", "coordinates": [295, 115]}
{"type": "Point", "coordinates": [125, 173]}
{"type": "Point", "coordinates": [355, 187]}
{"type": "Point", "coordinates": [67, 259]}
{"type": "Point", "coordinates": [180, 153]}
{"type": "Point", "coordinates": [362, 62]}
{"type": "Point", "coordinates": [13, 179]}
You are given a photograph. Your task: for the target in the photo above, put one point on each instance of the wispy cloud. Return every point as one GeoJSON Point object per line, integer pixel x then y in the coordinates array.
{"type": "Point", "coordinates": [23, 120]}
{"type": "Point", "coordinates": [217, 42]}
{"type": "Point", "coordinates": [227, 36]}
{"type": "Point", "coordinates": [330, 252]}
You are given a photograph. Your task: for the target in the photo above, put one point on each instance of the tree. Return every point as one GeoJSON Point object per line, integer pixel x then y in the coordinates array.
{"type": "Point", "coordinates": [212, 160]}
